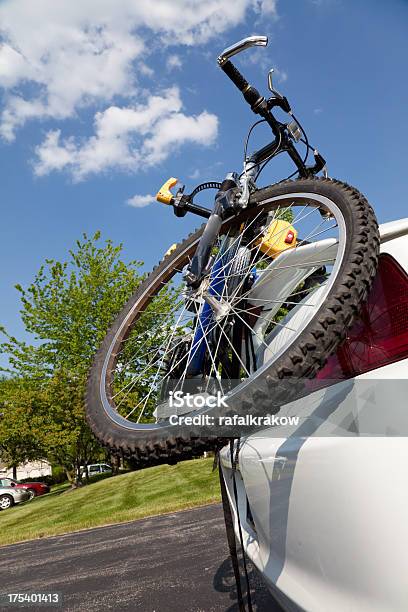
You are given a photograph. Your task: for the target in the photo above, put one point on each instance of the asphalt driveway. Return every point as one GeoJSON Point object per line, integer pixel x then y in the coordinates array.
{"type": "Point", "coordinates": [177, 562]}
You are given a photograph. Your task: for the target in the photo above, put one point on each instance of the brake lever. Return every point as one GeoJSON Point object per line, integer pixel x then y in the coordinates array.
{"type": "Point", "coordinates": [181, 203]}
{"type": "Point", "coordinates": [282, 102]}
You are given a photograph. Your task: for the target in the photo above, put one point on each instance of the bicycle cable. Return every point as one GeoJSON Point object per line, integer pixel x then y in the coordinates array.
{"type": "Point", "coordinates": [203, 186]}
{"type": "Point", "coordinates": [249, 135]}
{"type": "Point", "coordinates": [304, 140]}
{"type": "Point", "coordinates": [271, 156]}
{"type": "Point", "coordinates": [246, 146]}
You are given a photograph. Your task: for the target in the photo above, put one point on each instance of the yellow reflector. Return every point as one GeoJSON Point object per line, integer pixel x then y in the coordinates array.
{"type": "Point", "coordinates": [278, 237]}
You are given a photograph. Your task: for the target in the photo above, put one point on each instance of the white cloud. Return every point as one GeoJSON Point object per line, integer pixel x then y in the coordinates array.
{"type": "Point", "coordinates": [195, 174]}
{"type": "Point", "coordinates": [265, 7]}
{"type": "Point", "coordinates": [145, 69]}
{"type": "Point", "coordinates": [58, 57]}
{"type": "Point", "coordinates": [174, 62]}
{"type": "Point", "coordinates": [127, 138]}
{"type": "Point", "coordinates": [79, 53]}
{"type": "Point", "coordinates": [140, 201]}
{"type": "Point", "coordinates": [281, 76]}
{"type": "Point", "coordinates": [69, 68]}
{"type": "Point", "coordinates": [260, 58]}
{"type": "Point", "coordinates": [177, 129]}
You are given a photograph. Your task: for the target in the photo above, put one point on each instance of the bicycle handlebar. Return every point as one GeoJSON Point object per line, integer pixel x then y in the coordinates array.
{"type": "Point", "coordinates": [250, 93]}
{"type": "Point", "coordinates": [263, 107]}
{"type": "Point", "coordinates": [251, 41]}
{"type": "Point", "coordinates": [234, 74]}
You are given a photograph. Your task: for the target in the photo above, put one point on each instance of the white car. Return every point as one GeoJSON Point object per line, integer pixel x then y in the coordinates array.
{"type": "Point", "coordinates": [324, 506]}
{"type": "Point", "coordinates": [96, 468]}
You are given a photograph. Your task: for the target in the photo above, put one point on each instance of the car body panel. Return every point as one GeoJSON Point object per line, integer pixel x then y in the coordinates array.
{"type": "Point", "coordinates": [39, 488]}
{"type": "Point", "coordinates": [328, 498]}
{"type": "Point", "coordinates": [18, 495]}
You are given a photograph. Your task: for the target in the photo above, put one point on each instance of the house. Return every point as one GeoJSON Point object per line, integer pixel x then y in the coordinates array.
{"type": "Point", "coordinates": [30, 469]}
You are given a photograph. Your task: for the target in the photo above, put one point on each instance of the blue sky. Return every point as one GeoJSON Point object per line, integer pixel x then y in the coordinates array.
{"type": "Point", "coordinates": [96, 111]}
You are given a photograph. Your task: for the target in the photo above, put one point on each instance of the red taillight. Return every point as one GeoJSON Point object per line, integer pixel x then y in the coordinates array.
{"type": "Point", "coordinates": [290, 236]}
{"type": "Point", "coordinates": [379, 336]}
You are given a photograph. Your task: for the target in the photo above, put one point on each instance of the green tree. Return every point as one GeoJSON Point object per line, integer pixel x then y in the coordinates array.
{"type": "Point", "coordinates": [69, 306]}
{"type": "Point", "coordinates": [18, 440]}
{"type": "Point", "coordinates": [67, 309]}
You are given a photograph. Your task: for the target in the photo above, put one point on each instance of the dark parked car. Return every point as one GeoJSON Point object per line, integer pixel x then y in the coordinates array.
{"type": "Point", "coordinates": [32, 488]}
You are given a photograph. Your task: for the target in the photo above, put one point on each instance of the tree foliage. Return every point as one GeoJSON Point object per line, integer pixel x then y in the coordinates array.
{"type": "Point", "coordinates": [19, 440]}
{"type": "Point", "coordinates": [67, 310]}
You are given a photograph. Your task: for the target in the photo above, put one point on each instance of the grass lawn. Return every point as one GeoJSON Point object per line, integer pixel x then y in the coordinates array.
{"type": "Point", "coordinates": [156, 490]}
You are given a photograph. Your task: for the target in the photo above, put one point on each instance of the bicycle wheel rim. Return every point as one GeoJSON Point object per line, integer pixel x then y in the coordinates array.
{"type": "Point", "coordinates": [314, 200]}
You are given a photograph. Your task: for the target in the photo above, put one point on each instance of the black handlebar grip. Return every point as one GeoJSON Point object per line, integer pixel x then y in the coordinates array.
{"type": "Point", "coordinates": [251, 95]}
{"type": "Point", "coordinates": [235, 75]}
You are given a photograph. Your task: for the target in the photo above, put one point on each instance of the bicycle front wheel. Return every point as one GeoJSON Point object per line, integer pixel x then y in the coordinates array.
{"type": "Point", "coordinates": [272, 316]}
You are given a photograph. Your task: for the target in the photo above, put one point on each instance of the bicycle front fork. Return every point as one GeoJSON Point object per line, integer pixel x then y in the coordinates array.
{"type": "Point", "coordinates": [224, 206]}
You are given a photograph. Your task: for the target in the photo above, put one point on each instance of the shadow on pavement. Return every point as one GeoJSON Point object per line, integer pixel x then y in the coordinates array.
{"type": "Point", "coordinates": [224, 582]}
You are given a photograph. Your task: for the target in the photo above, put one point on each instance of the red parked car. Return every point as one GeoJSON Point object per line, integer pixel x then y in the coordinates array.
{"type": "Point", "coordinates": [33, 488]}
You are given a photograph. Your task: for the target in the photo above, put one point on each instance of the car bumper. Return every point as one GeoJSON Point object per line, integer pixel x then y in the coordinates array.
{"type": "Point", "coordinates": [20, 496]}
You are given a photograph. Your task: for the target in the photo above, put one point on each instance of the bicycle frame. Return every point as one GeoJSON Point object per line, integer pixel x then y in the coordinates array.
{"type": "Point", "coordinates": [234, 193]}
{"type": "Point", "coordinates": [218, 277]}
{"type": "Point", "coordinates": [245, 184]}
{"type": "Point", "coordinates": [220, 270]}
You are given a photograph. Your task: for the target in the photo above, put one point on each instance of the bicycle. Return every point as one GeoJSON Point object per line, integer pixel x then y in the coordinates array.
{"type": "Point", "coordinates": [258, 297]}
